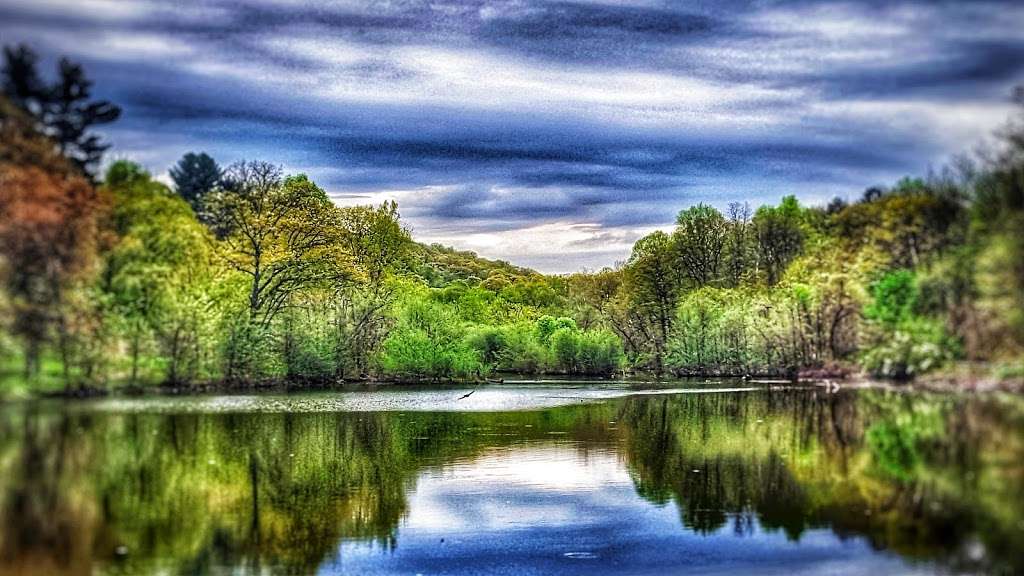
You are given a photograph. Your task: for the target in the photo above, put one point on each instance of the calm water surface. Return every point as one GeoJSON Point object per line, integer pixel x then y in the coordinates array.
{"type": "Point", "coordinates": [520, 478]}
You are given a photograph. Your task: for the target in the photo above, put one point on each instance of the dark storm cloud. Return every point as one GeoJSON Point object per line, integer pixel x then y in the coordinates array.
{"type": "Point", "coordinates": [595, 34]}
{"type": "Point", "coordinates": [965, 70]}
{"type": "Point", "coordinates": [574, 166]}
{"type": "Point", "coordinates": [496, 115]}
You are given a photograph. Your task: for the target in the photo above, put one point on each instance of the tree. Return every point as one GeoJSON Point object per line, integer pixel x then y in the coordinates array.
{"type": "Point", "coordinates": [909, 224]}
{"type": "Point", "coordinates": [158, 274]}
{"type": "Point", "coordinates": [48, 241]}
{"type": "Point", "coordinates": [699, 238]}
{"type": "Point", "coordinates": [738, 249]}
{"type": "Point", "coordinates": [64, 110]}
{"type": "Point", "coordinates": [836, 205]}
{"type": "Point", "coordinates": [285, 235]}
{"type": "Point", "coordinates": [48, 223]}
{"type": "Point", "coordinates": [380, 247]}
{"type": "Point", "coordinates": [780, 237]}
{"type": "Point", "coordinates": [653, 285]}
{"type": "Point", "coordinates": [194, 176]}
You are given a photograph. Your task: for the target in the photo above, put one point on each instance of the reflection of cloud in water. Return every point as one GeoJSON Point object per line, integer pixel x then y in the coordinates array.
{"type": "Point", "coordinates": [507, 488]}
{"type": "Point", "coordinates": [552, 506]}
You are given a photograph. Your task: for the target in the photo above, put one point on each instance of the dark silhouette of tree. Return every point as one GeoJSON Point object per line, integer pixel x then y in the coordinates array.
{"type": "Point", "coordinates": [873, 193]}
{"type": "Point", "coordinates": [835, 206]}
{"type": "Point", "coordinates": [64, 110]}
{"type": "Point", "coordinates": [195, 175]}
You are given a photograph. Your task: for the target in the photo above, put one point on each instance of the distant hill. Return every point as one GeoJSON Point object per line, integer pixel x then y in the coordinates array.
{"type": "Point", "coordinates": [440, 265]}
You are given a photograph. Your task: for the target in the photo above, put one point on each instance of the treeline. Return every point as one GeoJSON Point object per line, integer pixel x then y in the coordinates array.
{"type": "Point", "coordinates": [240, 274]}
{"type": "Point", "coordinates": [900, 282]}
{"type": "Point", "coordinates": [245, 274]}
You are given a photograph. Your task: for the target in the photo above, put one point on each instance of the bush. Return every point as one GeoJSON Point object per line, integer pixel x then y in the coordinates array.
{"type": "Point", "coordinates": [428, 341]}
{"type": "Point", "coordinates": [901, 343]}
{"type": "Point", "coordinates": [411, 352]}
{"type": "Point", "coordinates": [309, 347]}
{"type": "Point", "coordinates": [522, 352]}
{"type": "Point", "coordinates": [599, 353]}
{"type": "Point", "coordinates": [489, 343]}
{"type": "Point", "coordinates": [914, 347]}
{"type": "Point", "coordinates": [565, 349]}
{"type": "Point", "coordinates": [548, 325]}
{"type": "Point", "coordinates": [895, 297]}
{"type": "Point", "coordinates": [249, 351]}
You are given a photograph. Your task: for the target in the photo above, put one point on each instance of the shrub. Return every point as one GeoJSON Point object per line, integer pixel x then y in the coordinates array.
{"type": "Point", "coordinates": [489, 343]}
{"type": "Point", "coordinates": [565, 349]}
{"type": "Point", "coordinates": [411, 352]}
{"type": "Point", "coordinates": [894, 298]}
{"type": "Point", "coordinates": [522, 352]}
{"type": "Point", "coordinates": [429, 341]}
{"type": "Point", "coordinates": [599, 353]}
{"type": "Point", "coordinates": [913, 347]}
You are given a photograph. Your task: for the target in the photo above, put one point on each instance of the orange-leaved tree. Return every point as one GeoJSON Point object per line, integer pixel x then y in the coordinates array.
{"type": "Point", "coordinates": [48, 236]}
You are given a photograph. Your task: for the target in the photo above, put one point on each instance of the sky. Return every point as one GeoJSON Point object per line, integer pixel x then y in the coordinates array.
{"type": "Point", "coordinates": [549, 134]}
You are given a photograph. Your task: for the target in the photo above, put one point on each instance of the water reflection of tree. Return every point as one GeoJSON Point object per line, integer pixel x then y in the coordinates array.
{"type": "Point", "coordinates": [272, 490]}
{"type": "Point", "coordinates": [677, 451]}
{"type": "Point", "coordinates": [931, 477]}
{"type": "Point", "coordinates": [918, 474]}
{"type": "Point", "coordinates": [190, 493]}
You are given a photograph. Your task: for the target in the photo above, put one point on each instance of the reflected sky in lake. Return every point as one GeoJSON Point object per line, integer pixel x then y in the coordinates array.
{"type": "Point", "coordinates": [632, 479]}
{"type": "Point", "coordinates": [560, 507]}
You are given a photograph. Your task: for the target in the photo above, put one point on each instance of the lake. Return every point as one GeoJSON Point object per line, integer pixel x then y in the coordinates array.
{"type": "Point", "coordinates": [520, 478]}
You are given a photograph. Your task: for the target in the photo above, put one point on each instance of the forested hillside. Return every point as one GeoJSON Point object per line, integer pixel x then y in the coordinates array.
{"type": "Point", "coordinates": [243, 274]}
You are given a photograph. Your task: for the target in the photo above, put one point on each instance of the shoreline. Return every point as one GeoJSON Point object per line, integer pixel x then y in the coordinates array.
{"type": "Point", "coordinates": [947, 383]}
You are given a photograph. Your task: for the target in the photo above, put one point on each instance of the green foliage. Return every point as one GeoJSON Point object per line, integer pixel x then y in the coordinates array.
{"type": "Point", "coordinates": [251, 274]}
{"type": "Point", "coordinates": [309, 344]}
{"type": "Point", "coordinates": [700, 238]}
{"type": "Point", "coordinates": [894, 298]}
{"type": "Point", "coordinates": [548, 325]}
{"type": "Point", "coordinates": [489, 342]}
{"type": "Point", "coordinates": [159, 276]}
{"type": "Point", "coordinates": [428, 341]}
{"type": "Point", "coordinates": [284, 234]}
{"type": "Point", "coordinates": [902, 343]}
{"type": "Point", "coordinates": [599, 352]}
{"type": "Point", "coordinates": [434, 338]}
{"type": "Point", "coordinates": [910, 348]}
{"type": "Point", "coordinates": [651, 282]}
{"type": "Point", "coordinates": [780, 236]}
{"type": "Point", "coordinates": [439, 265]}
{"type": "Point", "coordinates": [249, 350]}
{"type": "Point", "coordinates": [713, 335]}
{"type": "Point", "coordinates": [565, 348]}
{"type": "Point", "coordinates": [522, 351]}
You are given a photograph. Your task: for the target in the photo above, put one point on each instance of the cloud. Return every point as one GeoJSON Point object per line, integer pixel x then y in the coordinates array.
{"type": "Point", "coordinates": [578, 125]}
